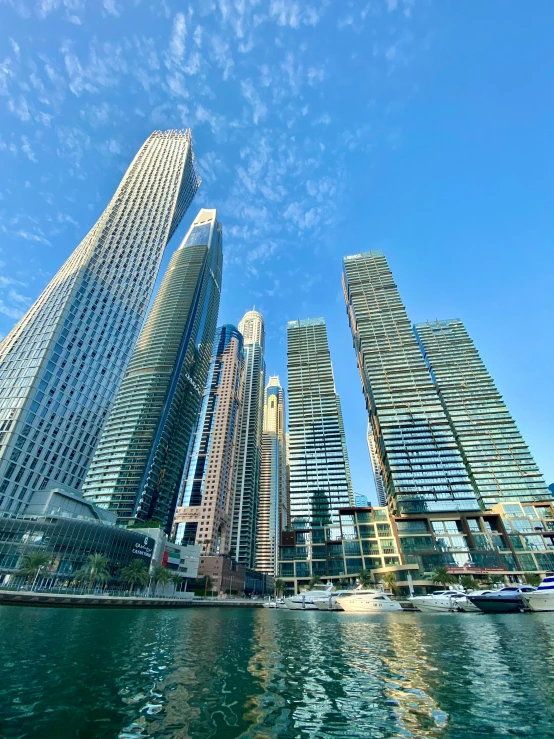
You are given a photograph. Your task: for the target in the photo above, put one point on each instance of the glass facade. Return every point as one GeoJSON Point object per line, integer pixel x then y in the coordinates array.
{"type": "Point", "coordinates": [205, 504]}
{"type": "Point", "coordinates": [137, 466]}
{"type": "Point", "coordinates": [319, 471]}
{"type": "Point", "coordinates": [69, 543]}
{"type": "Point", "coordinates": [416, 453]}
{"type": "Point", "coordinates": [498, 459]}
{"type": "Point", "coordinates": [247, 484]}
{"type": "Point", "coordinates": [61, 365]}
{"type": "Point", "coordinates": [508, 542]}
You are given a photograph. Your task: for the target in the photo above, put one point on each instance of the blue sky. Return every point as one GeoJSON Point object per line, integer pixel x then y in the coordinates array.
{"type": "Point", "coordinates": [321, 128]}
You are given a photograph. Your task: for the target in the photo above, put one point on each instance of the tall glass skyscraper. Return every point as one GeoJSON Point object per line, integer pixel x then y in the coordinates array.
{"type": "Point", "coordinates": [137, 466]}
{"type": "Point", "coordinates": [62, 363]}
{"type": "Point", "coordinates": [497, 458]}
{"type": "Point", "coordinates": [320, 480]}
{"type": "Point", "coordinates": [272, 502]}
{"type": "Point", "coordinates": [416, 452]}
{"type": "Point", "coordinates": [205, 507]}
{"type": "Point", "coordinates": [247, 485]}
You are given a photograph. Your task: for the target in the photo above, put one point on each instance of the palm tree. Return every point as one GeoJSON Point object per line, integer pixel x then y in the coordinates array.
{"type": "Point", "coordinates": [365, 578]}
{"type": "Point", "coordinates": [33, 563]}
{"type": "Point", "coordinates": [208, 584]}
{"type": "Point", "coordinates": [279, 587]}
{"type": "Point", "coordinates": [468, 582]}
{"type": "Point", "coordinates": [159, 574]}
{"type": "Point", "coordinates": [135, 572]}
{"type": "Point", "coordinates": [175, 579]}
{"type": "Point", "coordinates": [314, 580]}
{"type": "Point", "coordinates": [389, 581]}
{"type": "Point", "coordinates": [94, 570]}
{"type": "Point", "coordinates": [441, 576]}
{"type": "Point", "coordinates": [533, 579]}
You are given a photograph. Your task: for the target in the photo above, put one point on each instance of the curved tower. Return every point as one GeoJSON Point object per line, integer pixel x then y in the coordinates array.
{"type": "Point", "coordinates": [137, 466]}
{"type": "Point", "coordinates": [62, 363]}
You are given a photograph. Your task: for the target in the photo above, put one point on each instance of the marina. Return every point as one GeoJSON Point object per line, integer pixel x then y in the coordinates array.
{"type": "Point", "coordinates": [238, 673]}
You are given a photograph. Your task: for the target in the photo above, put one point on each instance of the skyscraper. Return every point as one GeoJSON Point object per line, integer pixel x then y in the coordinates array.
{"type": "Point", "coordinates": [497, 458]}
{"type": "Point", "coordinates": [62, 363]}
{"type": "Point", "coordinates": [416, 452]}
{"type": "Point", "coordinates": [247, 484]}
{"type": "Point", "coordinates": [272, 502]}
{"type": "Point", "coordinates": [320, 481]}
{"type": "Point", "coordinates": [137, 466]}
{"type": "Point", "coordinates": [205, 506]}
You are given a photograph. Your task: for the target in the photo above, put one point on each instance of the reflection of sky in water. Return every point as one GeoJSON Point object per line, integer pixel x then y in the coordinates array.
{"type": "Point", "coordinates": [245, 674]}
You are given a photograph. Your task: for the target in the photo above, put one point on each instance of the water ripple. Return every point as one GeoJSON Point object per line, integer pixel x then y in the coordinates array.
{"type": "Point", "coordinates": [242, 674]}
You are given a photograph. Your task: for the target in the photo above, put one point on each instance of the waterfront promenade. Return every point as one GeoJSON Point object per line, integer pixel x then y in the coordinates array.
{"type": "Point", "coordinates": [83, 600]}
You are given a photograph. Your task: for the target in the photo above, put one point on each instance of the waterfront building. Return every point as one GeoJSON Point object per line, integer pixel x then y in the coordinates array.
{"type": "Point", "coordinates": [205, 505]}
{"type": "Point", "coordinates": [510, 541]}
{"type": "Point", "coordinates": [230, 578]}
{"type": "Point", "coordinates": [62, 363]}
{"type": "Point", "coordinates": [138, 463]}
{"type": "Point", "coordinates": [497, 458]}
{"type": "Point", "coordinates": [272, 502]}
{"type": "Point", "coordinates": [67, 529]}
{"type": "Point", "coordinates": [247, 483]}
{"type": "Point", "coordinates": [361, 501]}
{"type": "Point", "coordinates": [179, 559]}
{"type": "Point", "coordinates": [416, 453]}
{"type": "Point", "coordinates": [320, 480]}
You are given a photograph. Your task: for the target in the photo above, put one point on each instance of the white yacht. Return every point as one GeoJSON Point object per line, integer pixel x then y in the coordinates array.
{"type": "Point", "coordinates": [440, 600]}
{"type": "Point", "coordinates": [331, 602]}
{"type": "Point", "coordinates": [541, 599]}
{"type": "Point", "coordinates": [466, 605]}
{"type": "Point", "coordinates": [306, 599]}
{"type": "Point", "coordinates": [276, 603]}
{"type": "Point", "coordinates": [367, 601]}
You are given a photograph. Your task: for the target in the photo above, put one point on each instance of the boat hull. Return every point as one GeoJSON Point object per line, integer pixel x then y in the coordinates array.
{"type": "Point", "coordinates": [435, 605]}
{"type": "Point", "coordinates": [498, 605]}
{"type": "Point", "coordinates": [539, 601]}
{"type": "Point", "coordinates": [300, 605]}
{"type": "Point", "coordinates": [379, 607]}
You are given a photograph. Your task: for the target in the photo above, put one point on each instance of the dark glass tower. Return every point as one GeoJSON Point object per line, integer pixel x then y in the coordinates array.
{"type": "Point", "coordinates": [137, 466]}
{"type": "Point", "coordinates": [416, 454]}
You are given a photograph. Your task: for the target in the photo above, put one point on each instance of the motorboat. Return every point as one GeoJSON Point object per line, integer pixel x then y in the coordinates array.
{"type": "Point", "coordinates": [440, 600]}
{"type": "Point", "coordinates": [331, 602]}
{"type": "Point", "coordinates": [466, 605]}
{"type": "Point", "coordinates": [505, 600]}
{"type": "Point", "coordinates": [541, 599]}
{"type": "Point", "coordinates": [306, 599]}
{"type": "Point", "coordinates": [367, 601]}
{"type": "Point", "coordinates": [277, 603]}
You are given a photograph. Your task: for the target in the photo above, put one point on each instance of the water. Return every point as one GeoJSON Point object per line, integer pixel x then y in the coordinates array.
{"type": "Point", "coordinates": [260, 674]}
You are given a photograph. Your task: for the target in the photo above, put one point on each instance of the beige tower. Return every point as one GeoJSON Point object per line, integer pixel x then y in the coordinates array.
{"type": "Point", "coordinates": [205, 509]}
{"type": "Point", "coordinates": [272, 501]}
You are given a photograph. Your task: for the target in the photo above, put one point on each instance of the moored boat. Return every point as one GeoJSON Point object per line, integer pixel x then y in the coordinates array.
{"type": "Point", "coordinates": [441, 601]}
{"type": "Point", "coordinates": [505, 600]}
{"type": "Point", "coordinates": [367, 601]}
{"type": "Point", "coordinates": [306, 599]}
{"type": "Point", "coordinates": [541, 599]}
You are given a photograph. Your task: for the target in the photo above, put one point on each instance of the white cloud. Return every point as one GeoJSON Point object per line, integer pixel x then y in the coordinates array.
{"type": "Point", "coordinates": [110, 7]}
{"type": "Point", "coordinates": [26, 149]}
{"type": "Point", "coordinates": [178, 37]}
{"type": "Point", "coordinates": [19, 108]}
{"type": "Point", "coordinates": [259, 110]}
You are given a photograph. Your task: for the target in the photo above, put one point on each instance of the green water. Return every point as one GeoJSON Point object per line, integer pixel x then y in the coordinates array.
{"type": "Point", "coordinates": [263, 674]}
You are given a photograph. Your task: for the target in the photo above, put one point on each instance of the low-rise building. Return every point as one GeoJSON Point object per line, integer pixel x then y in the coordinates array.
{"type": "Point", "coordinates": [229, 577]}
{"type": "Point", "coordinates": [182, 559]}
{"type": "Point", "coordinates": [511, 540]}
